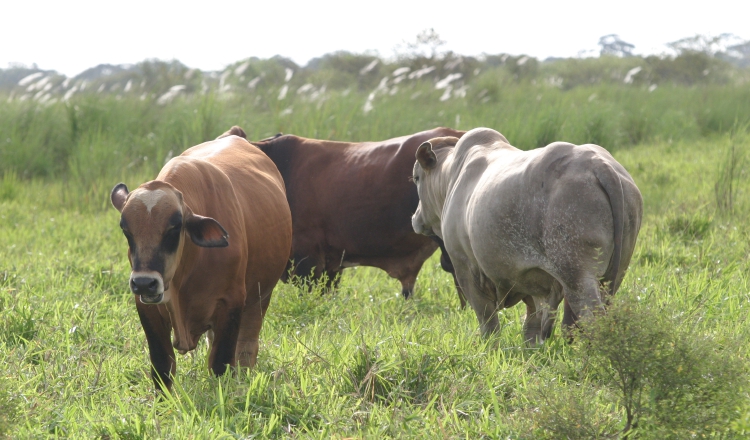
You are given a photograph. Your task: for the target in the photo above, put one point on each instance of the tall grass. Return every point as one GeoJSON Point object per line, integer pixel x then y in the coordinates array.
{"type": "Point", "coordinates": [362, 362]}
{"type": "Point", "coordinates": [92, 138]}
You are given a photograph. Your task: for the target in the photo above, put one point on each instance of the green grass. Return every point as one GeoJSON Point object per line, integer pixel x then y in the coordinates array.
{"type": "Point", "coordinates": [98, 137]}
{"type": "Point", "coordinates": [361, 362]}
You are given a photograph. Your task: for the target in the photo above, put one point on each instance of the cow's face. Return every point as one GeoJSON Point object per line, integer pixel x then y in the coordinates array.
{"type": "Point", "coordinates": [156, 222]}
{"type": "Point", "coordinates": [430, 185]}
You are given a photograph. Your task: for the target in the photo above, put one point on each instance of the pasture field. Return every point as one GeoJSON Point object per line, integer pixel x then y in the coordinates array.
{"type": "Point", "coordinates": [362, 362]}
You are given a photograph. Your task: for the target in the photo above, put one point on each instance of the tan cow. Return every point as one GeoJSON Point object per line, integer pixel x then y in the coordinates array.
{"type": "Point", "coordinates": [538, 226]}
{"type": "Point", "coordinates": [207, 242]}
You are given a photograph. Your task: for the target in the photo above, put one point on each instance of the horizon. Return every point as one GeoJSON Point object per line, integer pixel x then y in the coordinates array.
{"type": "Point", "coordinates": [172, 32]}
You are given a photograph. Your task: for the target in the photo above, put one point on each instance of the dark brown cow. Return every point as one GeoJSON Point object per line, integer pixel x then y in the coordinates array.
{"type": "Point", "coordinates": [194, 274]}
{"type": "Point", "coordinates": [352, 204]}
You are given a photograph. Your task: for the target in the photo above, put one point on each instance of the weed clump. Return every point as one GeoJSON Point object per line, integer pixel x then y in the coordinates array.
{"type": "Point", "coordinates": [689, 227]}
{"type": "Point", "coordinates": [9, 186]}
{"type": "Point", "coordinates": [9, 409]}
{"type": "Point", "coordinates": [19, 325]}
{"type": "Point", "coordinates": [639, 372]}
{"type": "Point", "coordinates": [732, 170]}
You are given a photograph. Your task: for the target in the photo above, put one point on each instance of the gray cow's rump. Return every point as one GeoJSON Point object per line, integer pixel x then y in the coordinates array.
{"type": "Point", "coordinates": [538, 226]}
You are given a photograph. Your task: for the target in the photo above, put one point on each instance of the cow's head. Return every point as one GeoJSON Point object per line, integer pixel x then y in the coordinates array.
{"type": "Point", "coordinates": [431, 184]}
{"type": "Point", "coordinates": [156, 222]}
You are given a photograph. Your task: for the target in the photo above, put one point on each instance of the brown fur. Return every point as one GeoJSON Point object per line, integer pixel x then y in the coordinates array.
{"type": "Point", "coordinates": [352, 203]}
{"type": "Point", "coordinates": [221, 277]}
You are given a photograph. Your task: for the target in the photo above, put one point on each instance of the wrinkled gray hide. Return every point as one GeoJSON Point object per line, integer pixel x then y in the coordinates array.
{"type": "Point", "coordinates": [559, 222]}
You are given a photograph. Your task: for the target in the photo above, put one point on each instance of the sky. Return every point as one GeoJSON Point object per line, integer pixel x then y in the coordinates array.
{"type": "Point", "coordinates": [71, 36]}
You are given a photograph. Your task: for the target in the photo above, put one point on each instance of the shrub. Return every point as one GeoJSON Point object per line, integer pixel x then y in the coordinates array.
{"type": "Point", "coordinates": [689, 227]}
{"type": "Point", "coordinates": [730, 170]}
{"type": "Point", "coordinates": [643, 373]}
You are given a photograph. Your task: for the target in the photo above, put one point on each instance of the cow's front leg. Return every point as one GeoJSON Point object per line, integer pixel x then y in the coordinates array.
{"type": "Point", "coordinates": [226, 329]}
{"type": "Point", "coordinates": [161, 352]}
{"type": "Point", "coordinates": [309, 264]}
{"type": "Point", "coordinates": [481, 295]}
{"type": "Point", "coordinates": [333, 279]}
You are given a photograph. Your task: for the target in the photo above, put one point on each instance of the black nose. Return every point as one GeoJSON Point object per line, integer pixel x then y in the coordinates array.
{"type": "Point", "coordinates": [144, 285]}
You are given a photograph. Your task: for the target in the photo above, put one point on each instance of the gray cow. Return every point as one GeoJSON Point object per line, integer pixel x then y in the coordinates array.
{"type": "Point", "coordinates": [538, 226]}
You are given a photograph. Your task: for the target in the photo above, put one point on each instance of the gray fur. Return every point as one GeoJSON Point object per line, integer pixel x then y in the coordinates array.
{"type": "Point", "coordinates": [559, 222]}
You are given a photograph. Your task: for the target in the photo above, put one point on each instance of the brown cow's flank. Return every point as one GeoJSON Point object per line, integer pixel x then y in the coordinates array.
{"type": "Point", "coordinates": [352, 204]}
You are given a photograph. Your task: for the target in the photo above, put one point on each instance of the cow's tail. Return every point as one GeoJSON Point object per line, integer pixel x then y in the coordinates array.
{"type": "Point", "coordinates": [612, 185]}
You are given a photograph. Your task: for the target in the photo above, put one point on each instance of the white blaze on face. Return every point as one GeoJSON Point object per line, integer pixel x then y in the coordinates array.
{"type": "Point", "coordinates": [149, 198]}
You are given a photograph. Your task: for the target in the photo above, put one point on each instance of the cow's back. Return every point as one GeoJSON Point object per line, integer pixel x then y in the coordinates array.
{"type": "Point", "coordinates": [356, 197]}
{"type": "Point", "coordinates": [261, 199]}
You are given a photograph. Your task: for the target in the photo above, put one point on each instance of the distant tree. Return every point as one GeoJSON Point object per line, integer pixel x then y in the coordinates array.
{"type": "Point", "coordinates": [612, 45]}
{"type": "Point", "coordinates": [739, 54]}
{"type": "Point", "coordinates": [704, 43]}
{"type": "Point", "coordinates": [742, 49]}
{"type": "Point", "coordinates": [425, 45]}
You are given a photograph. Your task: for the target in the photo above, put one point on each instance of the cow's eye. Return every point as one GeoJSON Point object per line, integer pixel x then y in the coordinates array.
{"type": "Point", "coordinates": [172, 239]}
{"type": "Point", "coordinates": [174, 230]}
{"type": "Point", "coordinates": [415, 179]}
{"type": "Point", "coordinates": [129, 237]}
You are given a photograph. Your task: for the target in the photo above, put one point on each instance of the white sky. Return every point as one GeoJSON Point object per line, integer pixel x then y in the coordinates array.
{"type": "Point", "coordinates": [71, 36]}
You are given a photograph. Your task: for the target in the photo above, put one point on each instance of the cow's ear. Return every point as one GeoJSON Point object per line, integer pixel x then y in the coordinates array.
{"type": "Point", "coordinates": [426, 157]}
{"type": "Point", "coordinates": [206, 232]}
{"type": "Point", "coordinates": [119, 196]}
{"type": "Point", "coordinates": [234, 131]}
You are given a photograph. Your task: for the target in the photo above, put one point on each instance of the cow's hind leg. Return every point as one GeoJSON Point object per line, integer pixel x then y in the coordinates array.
{"type": "Point", "coordinates": [549, 310]}
{"type": "Point", "coordinates": [486, 310]}
{"type": "Point", "coordinates": [532, 324]}
{"type": "Point", "coordinates": [460, 292]}
{"type": "Point", "coordinates": [583, 300]}
{"type": "Point", "coordinates": [540, 315]}
{"type": "Point", "coordinates": [253, 314]}
{"type": "Point", "coordinates": [225, 329]}
{"type": "Point", "coordinates": [161, 352]}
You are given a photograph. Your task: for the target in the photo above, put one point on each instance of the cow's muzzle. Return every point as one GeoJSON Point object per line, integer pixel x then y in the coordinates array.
{"type": "Point", "coordinates": [148, 286]}
{"type": "Point", "coordinates": [419, 227]}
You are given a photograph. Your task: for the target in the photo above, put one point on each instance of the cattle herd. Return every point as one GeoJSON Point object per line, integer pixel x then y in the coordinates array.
{"type": "Point", "coordinates": [222, 223]}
